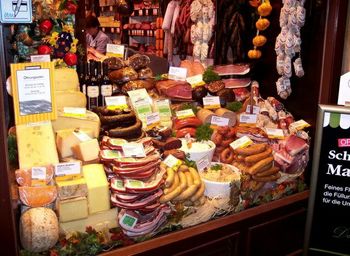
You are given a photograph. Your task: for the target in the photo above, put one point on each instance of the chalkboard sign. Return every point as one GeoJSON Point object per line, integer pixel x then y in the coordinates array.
{"type": "Point", "coordinates": [328, 220]}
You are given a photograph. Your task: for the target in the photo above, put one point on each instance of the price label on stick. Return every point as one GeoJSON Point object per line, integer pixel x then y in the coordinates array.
{"type": "Point", "coordinates": [203, 163]}
{"type": "Point", "coordinates": [171, 161]}
{"type": "Point", "coordinates": [116, 102]}
{"type": "Point", "coordinates": [219, 121]}
{"type": "Point", "coordinates": [74, 112]}
{"type": "Point", "coordinates": [242, 142]}
{"type": "Point", "coordinates": [176, 73]}
{"type": "Point", "coordinates": [115, 50]}
{"type": "Point", "coordinates": [152, 120]}
{"type": "Point", "coordinates": [256, 110]}
{"type": "Point", "coordinates": [212, 102]}
{"type": "Point", "coordinates": [248, 119]}
{"type": "Point", "coordinates": [182, 114]}
{"type": "Point", "coordinates": [196, 80]}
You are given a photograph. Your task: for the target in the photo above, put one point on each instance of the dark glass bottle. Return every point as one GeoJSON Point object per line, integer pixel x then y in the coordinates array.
{"type": "Point", "coordinates": [106, 85]}
{"type": "Point", "coordinates": [82, 76]}
{"type": "Point", "coordinates": [92, 88]}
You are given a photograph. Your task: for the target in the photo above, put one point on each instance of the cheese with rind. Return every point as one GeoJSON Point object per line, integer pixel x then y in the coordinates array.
{"type": "Point", "coordinates": [72, 209]}
{"type": "Point", "coordinates": [68, 189]}
{"type": "Point", "coordinates": [70, 99]}
{"type": "Point", "coordinates": [66, 79]}
{"type": "Point", "coordinates": [36, 145]}
{"type": "Point", "coordinates": [87, 150]}
{"type": "Point", "coordinates": [98, 188]}
{"type": "Point", "coordinates": [91, 122]}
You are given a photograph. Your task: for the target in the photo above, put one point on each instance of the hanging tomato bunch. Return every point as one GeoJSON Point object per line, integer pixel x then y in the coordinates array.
{"type": "Point", "coordinates": [264, 9]}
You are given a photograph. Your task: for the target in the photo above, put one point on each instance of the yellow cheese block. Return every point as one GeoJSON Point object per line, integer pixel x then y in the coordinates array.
{"type": "Point", "coordinates": [70, 99]}
{"type": "Point", "coordinates": [36, 145]}
{"type": "Point", "coordinates": [98, 189]}
{"type": "Point", "coordinates": [68, 189]}
{"type": "Point", "coordinates": [98, 221]}
{"type": "Point", "coordinates": [87, 150]}
{"type": "Point", "coordinates": [66, 79]}
{"type": "Point", "coordinates": [72, 209]}
{"type": "Point", "coordinates": [68, 138]}
{"type": "Point", "coordinates": [90, 121]}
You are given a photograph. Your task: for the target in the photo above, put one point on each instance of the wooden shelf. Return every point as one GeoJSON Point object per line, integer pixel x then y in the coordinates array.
{"type": "Point", "coordinates": [115, 30]}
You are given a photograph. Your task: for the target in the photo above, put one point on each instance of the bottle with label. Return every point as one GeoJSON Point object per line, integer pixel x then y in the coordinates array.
{"type": "Point", "coordinates": [106, 85]}
{"type": "Point", "coordinates": [82, 75]}
{"type": "Point", "coordinates": [92, 88]}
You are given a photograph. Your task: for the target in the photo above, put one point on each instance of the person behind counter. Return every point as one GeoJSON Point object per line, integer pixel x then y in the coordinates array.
{"type": "Point", "coordinates": [95, 38]}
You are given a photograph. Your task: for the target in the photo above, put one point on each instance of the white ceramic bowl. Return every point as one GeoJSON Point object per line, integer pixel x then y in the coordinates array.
{"type": "Point", "coordinates": [195, 154]}
{"type": "Point", "coordinates": [216, 189]}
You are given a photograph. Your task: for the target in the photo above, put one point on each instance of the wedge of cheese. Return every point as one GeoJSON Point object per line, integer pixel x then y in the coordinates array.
{"type": "Point", "coordinates": [70, 99]}
{"type": "Point", "coordinates": [98, 188]}
{"type": "Point", "coordinates": [87, 150]}
{"type": "Point", "coordinates": [36, 145]}
{"type": "Point", "coordinates": [98, 221]}
{"type": "Point", "coordinates": [68, 138]}
{"type": "Point", "coordinates": [68, 189]}
{"type": "Point", "coordinates": [90, 122]}
{"type": "Point", "coordinates": [72, 209]}
{"type": "Point", "coordinates": [66, 79]}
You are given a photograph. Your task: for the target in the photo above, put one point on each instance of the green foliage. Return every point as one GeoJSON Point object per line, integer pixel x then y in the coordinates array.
{"type": "Point", "coordinates": [210, 75]}
{"type": "Point", "coordinates": [234, 106]}
{"type": "Point", "coordinates": [204, 132]}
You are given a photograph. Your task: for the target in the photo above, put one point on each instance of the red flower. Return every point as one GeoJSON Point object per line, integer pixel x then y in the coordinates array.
{"type": "Point", "coordinates": [54, 253]}
{"type": "Point", "coordinates": [71, 7]}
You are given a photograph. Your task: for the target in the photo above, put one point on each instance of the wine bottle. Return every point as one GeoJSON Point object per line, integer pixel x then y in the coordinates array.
{"type": "Point", "coordinates": [93, 90]}
{"type": "Point", "coordinates": [82, 76]}
{"type": "Point", "coordinates": [106, 85]}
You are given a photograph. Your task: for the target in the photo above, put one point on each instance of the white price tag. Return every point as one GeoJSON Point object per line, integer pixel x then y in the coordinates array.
{"type": "Point", "coordinates": [116, 102]}
{"type": "Point", "coordinates": [70, 168]}
{"type": "Point", "coordinates": [248, 119]}
{"type": "Point", "coordinates": [128, 220]}
{"type": "Point", "coordinates": [196, 80]}
{"type": "Point", "coordinates": [133, 149]}
{"type": "Point", "coordinates": [256, 110]}
{"type": "Point", "coordinates": [82, 136]}
{"type": "Point", "coordinates": [211, 102]}
{"type": "Point", "coordinates": [38, 173]}
{"type": "Point", "coordinates": [219, 121]}
{"type": "Point", "coordinates": [115, 50]}
{"type": "Point", "coordinates": [75, 112]}
{"type": "Point", "coordinates": [152, 119]}
{"type": "Point", "coordinates": [242, 142]}
{"type": "Point", "coordinates": [275, 133]}
{"type": "Point", "coordinates": [176, 73]}
{"type": "Point", "coordinates": [202, 163]}
{"type": "Point", "coordinates": [40, 58]}
{"type": "Point", "coordinates": [171, 161]}
{"type": "Point", "coordinates": [182, 114]}
{"type": "Point", "coordinates": [298, 125]}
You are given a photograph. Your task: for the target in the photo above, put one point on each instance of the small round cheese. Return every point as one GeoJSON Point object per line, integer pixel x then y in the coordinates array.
{"type": "Point", "coordinates": [38, 229]}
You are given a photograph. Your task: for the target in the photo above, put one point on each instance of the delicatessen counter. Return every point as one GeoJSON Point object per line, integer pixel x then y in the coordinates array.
{"type": "Point", "coordinates": [154, 159]}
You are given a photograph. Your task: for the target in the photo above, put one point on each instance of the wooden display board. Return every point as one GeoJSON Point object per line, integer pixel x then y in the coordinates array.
{"type": "Point", "coordinates": [328, 225]}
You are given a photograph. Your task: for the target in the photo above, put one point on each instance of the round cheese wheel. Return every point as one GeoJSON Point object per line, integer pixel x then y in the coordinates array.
{"type": "Point", "coordinates": [38, 229]}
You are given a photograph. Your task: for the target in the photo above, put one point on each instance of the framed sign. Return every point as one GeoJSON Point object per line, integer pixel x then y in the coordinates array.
{"type": "Point", "coordinates": [16, 11]}
{"type": "Point", "coordinates": [328, 219]}
{"type": "Point", "coordinates": [33, 92]}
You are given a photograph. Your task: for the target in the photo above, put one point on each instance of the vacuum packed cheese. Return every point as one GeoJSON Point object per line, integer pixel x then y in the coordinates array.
{"type": "Point", "coordinates": [90, 122]}
{"type": "Point", "coordinates": [36, 145]}
{"type": "Point", "coordinates": [37, 196]}
{"type": "Point", "coordinates": [39, 229]}
{"type": "Point", "coordinates": [68, 138]}
{"type": "Point", "coordinates": [72, 209]}
{"type": "Point", "coordinates": [68, 189]}
{"type": "Point", "coordinates": [98, 221]}
{"type": "Point", "coordinates": [70, 99]}
{"type": "Point", "coordinates": [87, 150]}
{"type": "Point", "coordinates": [66, 79]}
{"type": "Point", "coordinates": [98, 188]}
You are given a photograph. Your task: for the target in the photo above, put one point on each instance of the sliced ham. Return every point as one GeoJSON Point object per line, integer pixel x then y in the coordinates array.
{"type": "Point", "coordinates": [295, 145]}
{"type": "Point", "coordinates": [134, 169]}
{"type": "Point", "coordinates": [136, 162]}
{"type": "Point", "coordinates": [126, 198]}
{"type": "Point", "coordinates": [140, 203]}
{"type": "Point", "coordinates": [232, 69]}
{"type": "Point", "coordinates": [236, 82]}
{"type": "Point", "coordinates": [175, 89]}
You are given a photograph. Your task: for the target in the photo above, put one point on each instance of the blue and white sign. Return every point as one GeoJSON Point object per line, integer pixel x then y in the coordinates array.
{"type": "Point", "coordinates": [16, 11]}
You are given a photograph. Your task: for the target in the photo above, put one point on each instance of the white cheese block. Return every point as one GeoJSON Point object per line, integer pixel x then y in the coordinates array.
{"type": "Point", "coordinates": [68, 189]}
{"type": "Point", "coordinates": [66, 139]}
{"type": "Point", "coordinates": [98, 221]}
{"type": "Point", "coordinates": [98, 188]}
{"type": "Point", "coordinates": [70, 99]}
{"type": "Point", "coordinates": [36, 145]}
{"type": "Point", "coordinates": [87, 150]}
{"type": "Point", "coordinates": [39, 229]}
{"type": "Point", "coordinates": [66, 79]}
{"type": "Point", "coordinates": [72, 209]}
{"type": "Point", "coordinates": [91, 121]}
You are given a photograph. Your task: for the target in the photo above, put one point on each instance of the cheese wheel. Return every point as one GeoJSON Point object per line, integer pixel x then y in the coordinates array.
{"type": "Point", "coordinates": [37, 196]}
{"type": "Point", "coordinates": [70, 99]}
{"type": "Point", "coordinates": [66, 79]}
{"type": "Point", "coordinates": [38, 229]}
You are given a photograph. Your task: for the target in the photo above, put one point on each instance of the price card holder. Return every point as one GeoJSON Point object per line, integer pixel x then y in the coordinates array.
{"type": "Point", "coordinates": [33, 92]}
{"type": "Point", "coordinates": [242, 142]}
{"type": "Point", "coordinates": [68, 171]}
{"type": "Point", "coordinates": [195, 81]}
{"type": "Point", "coordinates": [176, 73]}
{"type": "Point", "coordinates": [219, 121]}
{"type": "Point", "coordinates": [172, 162]}
{"type": "Point", "coordinates": [248, 119]}
{"type": "Point", "coordinates": [212, 102]}
{"type": "Point", "coordinates": [116, 102]}
{"type": "Point", "coordinates": [182, 114]}
{"type": "Point", "coordinates": [275, 133]}
{"type": "Point", "coordinates": [115, 50]}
